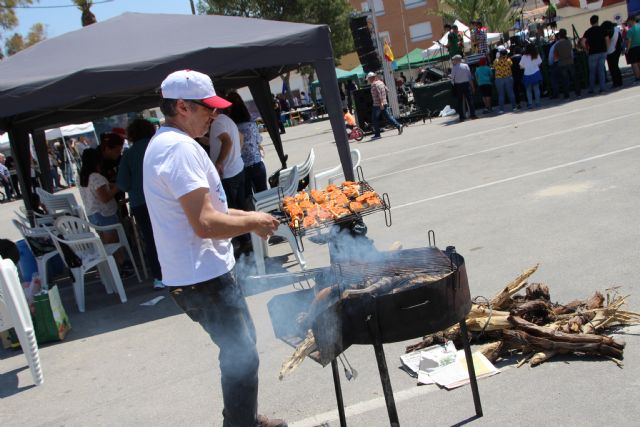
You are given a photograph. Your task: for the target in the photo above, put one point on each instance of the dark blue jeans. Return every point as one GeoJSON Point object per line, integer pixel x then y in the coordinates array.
{"type": "Point", "coordinates": [219, 306]}
{"type": "Point", "coordinates": [375, 119]}
{"type": "Point", "coordinates": [234, 189]}
{"type": "Point", "coordinates": [463, 91]}
{"type": "Point", "coordinates": [255, 177]}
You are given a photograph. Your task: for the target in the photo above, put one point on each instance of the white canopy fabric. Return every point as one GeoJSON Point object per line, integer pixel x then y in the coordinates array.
{"type": "Point", "coordinates": [4, 141]}
{"type": "Point", "coordinates": [440, 47]}
{"type": "Point", "coordinates": [69, 130]}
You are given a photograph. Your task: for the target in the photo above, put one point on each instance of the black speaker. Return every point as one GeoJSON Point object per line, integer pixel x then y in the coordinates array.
{"type": "Point", "coordinates": [363, 104]}
{"type": "Point", "coordinates": [364, 45]}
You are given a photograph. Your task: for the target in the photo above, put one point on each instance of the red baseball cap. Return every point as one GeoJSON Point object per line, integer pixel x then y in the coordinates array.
{"type": "Point", "coordinates": [189, 84]}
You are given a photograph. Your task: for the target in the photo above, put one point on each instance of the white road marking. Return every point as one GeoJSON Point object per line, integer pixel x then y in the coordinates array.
{"type": "Point", "coordinates": [539, 137]}
{"type": "Point", "coordinates": [513, 178]}
{"type": "Point", "coordinates": [363, 407]}
{"type": "Point", "coordinates": [468, 136]}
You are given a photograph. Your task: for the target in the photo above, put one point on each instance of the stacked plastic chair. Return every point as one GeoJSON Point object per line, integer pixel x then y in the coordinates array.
{"type": "Point", "coordinates": [14, 313]}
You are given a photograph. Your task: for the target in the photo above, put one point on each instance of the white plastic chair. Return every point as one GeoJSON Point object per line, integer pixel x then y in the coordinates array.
{"type": "Point", "coordinates": [39, 233]}
{"type": "Point", "coordinates": [331, 175]}
{"type": "Point", "coordinates": [269, 200]}
{"type": "Point", "coordinates": [305, 168]}
{"type": "Point", "coordinates": [69, 226]}
{"type": "Point", "coordinates": [40, 220]}
{"type": "Point", "coordinates": [89, 249]}
{"type": "Point", "coordinates": [60, 204]}
{"type": "Point", "coordinates": [14, 313]}
{"type": "Point", "coordinates": [260, 248]}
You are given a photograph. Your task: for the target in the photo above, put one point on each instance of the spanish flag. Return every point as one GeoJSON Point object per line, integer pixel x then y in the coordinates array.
{"type": "Point", "coordinates": [388, 54]}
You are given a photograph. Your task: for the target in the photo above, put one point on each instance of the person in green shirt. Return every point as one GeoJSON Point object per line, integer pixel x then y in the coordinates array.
{"type": "Point", "coordinates": [139, 132]}
{"type": "Point", "coordinates": [454, 41]}
{"type": "Point", "coordinates": [633, 46]}
{"type": "Point", "coordinates": [484, 75]}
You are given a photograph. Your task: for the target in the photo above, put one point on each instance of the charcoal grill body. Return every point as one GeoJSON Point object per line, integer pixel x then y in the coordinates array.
{"type": "Point", "coordinates": [399, 316]}
{"type": "Point", "coordinates": [377, 319]}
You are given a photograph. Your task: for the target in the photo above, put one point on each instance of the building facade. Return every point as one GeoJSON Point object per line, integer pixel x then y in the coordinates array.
{"type": "Point", "coordinates": [407, 24]}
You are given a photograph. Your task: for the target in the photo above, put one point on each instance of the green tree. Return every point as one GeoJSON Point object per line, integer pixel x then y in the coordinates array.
{"type": "Point", "coordinates": [87, 17]}
{"type": "Point", "coordinates": [14, 44]}
{"type": "Point", "coordinates": [497, 15]}
{"type": "Point", "coordinates": [9, 20]}
{"type": "Point", "coordinates": [334, 13]}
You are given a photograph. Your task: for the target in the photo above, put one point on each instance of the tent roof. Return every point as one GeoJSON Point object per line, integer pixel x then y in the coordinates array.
{"type": "Point", "coordinates": [414, 58]}
{"type": "Point", "coordinates": [117, 65]}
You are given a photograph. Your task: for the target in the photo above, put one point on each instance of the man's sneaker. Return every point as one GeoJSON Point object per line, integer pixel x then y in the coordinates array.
{"type": "Point", "coordinates": [373, 138]}
{"type": "Point", "coordinates": [400, 130]}
{"type": "Point", "coordinates": [274, 422]}
{"type": "Point", "coordinates": [158, 285]}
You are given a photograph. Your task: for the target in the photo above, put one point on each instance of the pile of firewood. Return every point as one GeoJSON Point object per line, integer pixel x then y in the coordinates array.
{"type": "Point", "coordinates": [539, 329]}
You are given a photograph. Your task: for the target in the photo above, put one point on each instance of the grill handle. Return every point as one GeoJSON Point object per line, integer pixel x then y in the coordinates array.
{"type": "Point", "coordinates": [411, 307]}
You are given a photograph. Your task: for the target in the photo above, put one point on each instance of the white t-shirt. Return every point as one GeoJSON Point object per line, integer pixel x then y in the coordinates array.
{"type": "Point", "coordinates": [89, 196]}
{"type": "Point", "coordinates": [530, 66]}
{"type": "Point", "coordinates": [233, 164]}
{"type": "Point", "coordinates": [174, 165]}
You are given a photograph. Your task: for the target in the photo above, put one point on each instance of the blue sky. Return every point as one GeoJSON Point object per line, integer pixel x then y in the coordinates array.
{"type": "Point", "coordinates": [62, 20]}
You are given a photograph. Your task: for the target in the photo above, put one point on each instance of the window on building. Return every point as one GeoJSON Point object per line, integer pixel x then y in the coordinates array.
{"type": "Point", "coordinates": [378, 4]}
{"type": "Point", "coordinates": [384, 35]}
{"type": "Point", "coordinates": [410, 4]}
{"type": "Point", "coordinates": [421, 31]}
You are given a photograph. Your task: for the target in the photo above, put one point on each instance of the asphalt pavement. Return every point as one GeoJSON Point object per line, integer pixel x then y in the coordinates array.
{"type": "Point", "coordinates": [557, 186]}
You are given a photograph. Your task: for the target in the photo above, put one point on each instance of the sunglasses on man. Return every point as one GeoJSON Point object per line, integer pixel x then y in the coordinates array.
{"type": "Point", "coordinates": [211, 109]}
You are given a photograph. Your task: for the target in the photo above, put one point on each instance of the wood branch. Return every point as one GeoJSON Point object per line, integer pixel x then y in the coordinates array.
{"type": "Point", "coordinates": [537, 311]}
{"type": "Point", "coordinates": [560, 337]}
{"type": "Point", "coordinates": [595, 301]}
{"type": "Point", "coordinates": [541, 357]}
{"type": "Point", "coordinates": [537, 291]}
{"type": "Point", "coordinates": [521, 338]}
{"type": "Point", "coordinates": [503, 298]}
{"type": "Point", "coordinates": [493, 350]}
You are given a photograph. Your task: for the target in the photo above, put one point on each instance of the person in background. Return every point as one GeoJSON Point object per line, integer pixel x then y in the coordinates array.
{"type": "Point", "coordinates": [122, 133]}
{"type": "Point", "coordinates": [518, 76]}
{"type": "Point", "coordinates": [463, 86]}
{"type": "Point", "coordinates": [554, 69]}
{"type": "Point", "coordinates": [614, 50]}
{"type": "Point", "coordinates": [563, 54]}
{"type": "Point", "coordinates": [595, 43]}
{"type": "Point", "coordinates": [530, 63]}
{"type": "Point", "coordinates": [98, 198]}
{"type": "Point", "coordinates": [480, 37]}
{"type": "Point", "coordinates": [53, 167]}
{"type": "Point", "coordinates": [11, 165]}
{"type": "Point", "coordinates": [380, 105]}
{"type": "Point", "coordinates": [111, 148]}
{"type": "Point", "coordinates": [349, 120]}
{"type": "Point", "coordinates": [504, 79]}
{"type": "Point", "coordinates": [255, 172]}
{"type": "Point", "coordinates": [632, 48]}
{"type": "Point", "coordinates": [484, 76]}
{"type": "Point", "coordinates": [193, 228]}
{"type": "Point", "coordinates": [453, 41]}
{"type": "Point", "coordinates": [351, 87]}
{"type": "Point", "coordinates": [70, 163]}
{"type": "Point", "coordinates": [225, 151]}
{"type": "Point", "coordinates": [278, 112]}
{"type": "Point", "coordinates": [5, 176]}
{"type": "Point", "coordinates": [306, 101]}
{"type": "Point", "coordinates": [129, 179]}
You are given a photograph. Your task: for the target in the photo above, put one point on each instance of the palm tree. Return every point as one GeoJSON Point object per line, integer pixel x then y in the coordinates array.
{"type": "Point", "coordinates": [497, 15]}
{"type": "Point", "coordinates": [88, 17]}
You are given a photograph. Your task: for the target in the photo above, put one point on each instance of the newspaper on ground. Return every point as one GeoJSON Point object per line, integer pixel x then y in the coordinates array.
{"type": "Point", "coordinates": [455, 374]}
{"type": "Point", "coordinates": [445, 365]}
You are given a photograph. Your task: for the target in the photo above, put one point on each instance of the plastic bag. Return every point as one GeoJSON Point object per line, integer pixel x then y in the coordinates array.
{"type": "Point", "coordinates": [447, 111]}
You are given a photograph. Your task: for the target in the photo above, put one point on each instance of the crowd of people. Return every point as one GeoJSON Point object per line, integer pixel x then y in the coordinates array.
{"type": "Point", "coordinates": [517, 73]}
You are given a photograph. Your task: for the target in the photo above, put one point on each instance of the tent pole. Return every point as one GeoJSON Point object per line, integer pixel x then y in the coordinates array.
{"type": "Point", "coordinates": [261, 93]}
{"type": "Point", "coordinates": [19, 140]}
{"type": "Point", "coordinates": [42, 155]}
{"type": "Point", "coordinates": [325, 69]}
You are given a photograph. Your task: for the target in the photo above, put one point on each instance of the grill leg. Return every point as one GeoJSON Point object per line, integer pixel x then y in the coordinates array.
{"type": "Point", "coordinates": [470, 368]}
{"type": "Point", "coordinates": [386, 385]}
{"type": "Point", "coordinates": [336, 383]}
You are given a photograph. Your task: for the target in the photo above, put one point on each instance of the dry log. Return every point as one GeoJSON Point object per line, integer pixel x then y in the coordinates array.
{"type": "Point", "coordinates": [537, 311]}
{"type": "Point", "coordinates": [503, 298]}
{"type": "Point", "coordinates": [304, 349]}
{"type": "Point", "coordinates": [537, 291]}
{"type": "Point", "coordinates": [567, 308]}
{"type": "Point", "coordinates": [595, 301]}
{"type": "Point", "coordinates": [541, 357]}
{"type": "Point", "coordinates": [560, 337]}
{"type": "Point", "coordinates": [519, 338]}
{"type": "Point", "coordinates": [492, 350]}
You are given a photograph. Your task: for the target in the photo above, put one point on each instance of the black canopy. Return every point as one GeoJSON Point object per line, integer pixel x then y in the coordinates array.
{"type": "Point", "coordinates": [117, 66]}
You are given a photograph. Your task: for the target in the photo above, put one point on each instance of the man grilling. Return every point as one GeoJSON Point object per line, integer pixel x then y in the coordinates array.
{"type": "Point", "coordinates": [193, 227]}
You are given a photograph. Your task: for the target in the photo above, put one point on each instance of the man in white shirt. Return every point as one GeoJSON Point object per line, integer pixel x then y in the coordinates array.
{"type": "Point", "coordinates": [193, 227]}
{"type": "Point", "coordinates": [225, 150]}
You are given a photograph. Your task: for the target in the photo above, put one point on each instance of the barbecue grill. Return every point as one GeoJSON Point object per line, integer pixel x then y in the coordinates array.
{"type": "Point", "coordinates": [394, 296]}
{"type": "Point", "coordinates": [299, 230]}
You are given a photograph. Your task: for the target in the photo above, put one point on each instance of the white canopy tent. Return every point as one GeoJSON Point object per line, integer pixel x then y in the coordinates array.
{"type": "Point", "coordinates": [440, 47]}
{"type": "Point", "coordinates": [4, 141]}
{"type": "Point", "coordinates": [70, 130]}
